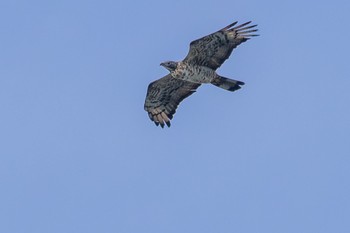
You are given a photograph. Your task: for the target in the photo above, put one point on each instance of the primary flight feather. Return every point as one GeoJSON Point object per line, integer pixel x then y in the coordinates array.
{"type": "Point", "coordinates": [199, 66]}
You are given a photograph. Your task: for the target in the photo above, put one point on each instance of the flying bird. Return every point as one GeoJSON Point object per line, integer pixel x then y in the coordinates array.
{"type": "Point", "coordinates": [199, 66]}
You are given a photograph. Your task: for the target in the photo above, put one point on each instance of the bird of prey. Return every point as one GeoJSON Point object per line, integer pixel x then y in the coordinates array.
{"type": "Point", "coordinates": [205, 56]}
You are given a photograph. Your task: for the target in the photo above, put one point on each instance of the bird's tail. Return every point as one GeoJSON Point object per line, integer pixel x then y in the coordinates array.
{"type": "Point", "coordinates": [226, 83]}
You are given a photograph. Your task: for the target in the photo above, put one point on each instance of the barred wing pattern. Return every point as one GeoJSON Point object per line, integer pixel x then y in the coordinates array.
{"type": "Point", "coordinates": [214, 49]}
{"type": "Point", "coordinates": [163, 97]}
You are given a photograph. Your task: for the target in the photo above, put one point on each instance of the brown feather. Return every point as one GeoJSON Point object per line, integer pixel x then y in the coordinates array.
{"type": "Point", "coordinates": [212, 50]}
{"type": "Point", "coordinates": [163, 97]}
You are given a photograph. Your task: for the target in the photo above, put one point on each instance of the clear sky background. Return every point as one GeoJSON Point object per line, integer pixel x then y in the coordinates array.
{"type": "Point", "coordinates": [79, 154]}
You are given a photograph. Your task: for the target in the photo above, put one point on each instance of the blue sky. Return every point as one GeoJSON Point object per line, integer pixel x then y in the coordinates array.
{"type": "Point", "coordinates": [79, 154]}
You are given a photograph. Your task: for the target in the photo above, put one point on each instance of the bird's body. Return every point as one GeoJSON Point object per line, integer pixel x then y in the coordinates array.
{"type": "Point", "coordinates": [193, 73]}
{"type": "Point", "coordinates": [199, 67]}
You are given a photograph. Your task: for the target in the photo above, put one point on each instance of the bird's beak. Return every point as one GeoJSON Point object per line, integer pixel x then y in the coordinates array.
{"type": "Point", "coordinates": [161, 64]}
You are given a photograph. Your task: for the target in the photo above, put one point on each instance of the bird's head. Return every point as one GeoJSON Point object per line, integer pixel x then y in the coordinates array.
{"type": "Point", "coordinates": [169, 65]}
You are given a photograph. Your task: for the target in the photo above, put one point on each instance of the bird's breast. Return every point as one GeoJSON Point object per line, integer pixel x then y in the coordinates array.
{"type": "Point", "coordinates": [193, 73]}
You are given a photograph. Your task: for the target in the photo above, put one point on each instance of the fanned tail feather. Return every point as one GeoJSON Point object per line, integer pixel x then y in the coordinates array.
{"type": "Point", "coordinates": [227, 84]}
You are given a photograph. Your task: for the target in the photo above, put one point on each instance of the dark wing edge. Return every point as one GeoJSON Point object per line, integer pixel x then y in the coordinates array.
{"type": "Point", "coordinates": [163, 97]}
{"type": "Point", "coordinates": [212, 50]}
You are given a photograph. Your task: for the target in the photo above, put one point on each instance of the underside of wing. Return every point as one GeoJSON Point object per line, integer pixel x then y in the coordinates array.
{"type": "Point", "coordinates": [163, 97]}
{"type": "Point", "coordinates": [214, 49]}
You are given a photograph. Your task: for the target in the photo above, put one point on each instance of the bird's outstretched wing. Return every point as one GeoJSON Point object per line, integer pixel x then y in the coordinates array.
{"type": "Point", "coordinates": [163, 97]}
{"type": "Point", "coordinates": [212, 50]}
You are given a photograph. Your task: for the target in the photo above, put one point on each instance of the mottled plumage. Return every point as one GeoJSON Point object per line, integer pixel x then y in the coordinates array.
{"type": "Point", "coordinates": [204, 57]}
